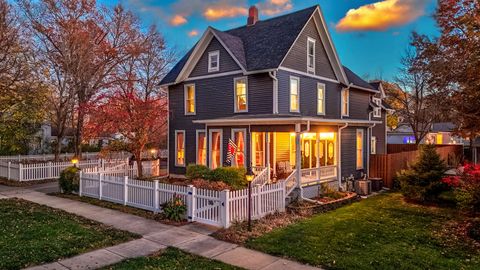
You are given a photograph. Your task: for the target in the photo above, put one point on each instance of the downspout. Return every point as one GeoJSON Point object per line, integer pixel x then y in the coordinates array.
{"type": "Point", "coordinates": [369, 139]}
{"type": "Point", "coordinates": [340, 154]}
{"type": "Point", "coordinates": [273, 75]}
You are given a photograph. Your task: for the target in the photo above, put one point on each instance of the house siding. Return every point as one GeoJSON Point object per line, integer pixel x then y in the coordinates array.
{"type": "Point", "coordinates": [359, 107]}
{"type": "Point", "coordinates": [349, 155]}
{"type": "Point", "coordinates": [227, 63]}
{"type": "Point", "coordinates": [297, 57]}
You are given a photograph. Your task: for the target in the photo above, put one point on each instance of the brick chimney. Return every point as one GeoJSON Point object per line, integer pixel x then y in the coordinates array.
{"type": "Point", "coordinates": [252, 15]}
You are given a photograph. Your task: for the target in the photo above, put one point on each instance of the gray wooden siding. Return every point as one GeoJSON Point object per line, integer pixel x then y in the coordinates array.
{"type": "Point", "coordinates": [308, 95]}
{"type": "Point", "coordinates": [380, 133]}
{"type": "Point", "coordinates": [359, 104]}
{"type": "Point", "coordinates": [227, 63]}
{"type": "Point", "coordinates": [349, 148]}
{"type": "Point", "coordinates": [297, 57]}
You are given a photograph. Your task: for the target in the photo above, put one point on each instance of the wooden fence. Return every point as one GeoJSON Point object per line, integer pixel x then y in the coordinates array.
{"type": "Point", "coordinates": [387, 166]}
{"type": "Point", "coordinates": [398, 148]}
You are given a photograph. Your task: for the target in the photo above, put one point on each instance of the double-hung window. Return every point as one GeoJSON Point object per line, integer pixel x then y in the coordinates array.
{"type": "Point", "coordinates": [373, 147]}
{"type": "Point", "coordinates": [238, 136]}
{"type": "Point", "coordinates": [201, 147]}
{"type": "Point", "coordinates": [345, 102]}
{"type": "Point", "coordinates": [241, 94]}
{"type": "Point", "coordinates": [294, 94]}
{"type": "Point", "coordinates": [213, 61]}
{"type": "Point", "coordinates": [359, 149]}
{"type": "Point", "coordinates": [216, 145]}
{"type": "Point", "coordinates": [320, 98]}
{"type": "Point", "coordinates": [180, 148]}
{"type": "Point", "coordinates": [377, 111]}
{"type": "Point", "coordinates": [189, 94]}
{"type": "Point", "coordinates": [311, 55]}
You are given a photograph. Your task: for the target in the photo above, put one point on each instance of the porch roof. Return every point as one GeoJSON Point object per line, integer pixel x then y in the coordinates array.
{"type": "Point", "coordinates": [281, 119]}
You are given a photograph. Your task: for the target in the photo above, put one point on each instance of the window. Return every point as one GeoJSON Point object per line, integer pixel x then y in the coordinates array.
{"type": "Point", "coordinates": [213, 61]}
{"type": "Point", "coordinates": [241, 95]}
{"type": "Point", "coordinates": [180, 148]}
{"type": "Point", "coordinates": [345, 101]}
{"type": "Point", "coordinates": [294, 94]}
{"type": "Point", "coordinates": [320, 98]}
{"type": "Point", "coordinates": [190, 99]}
{"type": "Point", "coordinates": [201, 147]}
{"type": "Point", "coordinates": [359, 149]}
{"type": "Point", "coordinates": [238, 136]}
{"type": "Point", "coordinates": [311, 55]}
{"type": "Point", "coordinates": [216, 146]}
{"type": "Point", "coordinates": [373, 147]}
{"type": "Point", "coordinates": [439, 138]}
{"type": "Point", "coordinates": [258, 147]}
{"type": "Point", "coordinates": [377, 111]}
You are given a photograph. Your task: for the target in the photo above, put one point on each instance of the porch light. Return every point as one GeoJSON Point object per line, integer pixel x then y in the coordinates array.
{"type": "Point", "coordinates": [327, 135]}
{"type": "Point", "coordinates": [74, 161]}
{"type": "Point", "coordinates": [249, 175]}
{"type": "Point", "coordinates": [153, 151]}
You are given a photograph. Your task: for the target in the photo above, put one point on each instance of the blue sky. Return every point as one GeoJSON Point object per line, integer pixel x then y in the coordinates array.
{"type": "Point", "coordinates": [370, 39]}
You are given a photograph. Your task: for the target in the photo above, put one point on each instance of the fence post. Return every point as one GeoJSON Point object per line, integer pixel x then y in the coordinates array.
{"type": "Point", "coordinates": [100, 188]}
{"type": "Point", "coordinates": [155, 201]}
{"type": "Point", "coordinates": [49, 170]}
{"type": "Point", "coordinates": [8, 173]}
{"type": "Point", "coordinates": [20, 172]}
{"type": "Point", "coordinates": [80, 186]}
{"type": "Point", "coordinates": [225, 209]}
{"type": "Point", "coordinates": [191, 202]}
{"type": "Point", "coordinates": [283, 186]}
{"type": "Point", "coordinates": [259, 201]}
{"type": "Point", "coordinates": [125, 190]}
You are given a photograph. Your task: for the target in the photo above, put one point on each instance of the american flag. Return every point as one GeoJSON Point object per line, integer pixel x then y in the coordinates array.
{"type": "Point", "coordinates": [232, 148]}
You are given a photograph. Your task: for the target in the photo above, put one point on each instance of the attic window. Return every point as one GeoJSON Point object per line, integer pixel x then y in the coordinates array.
{"type": "Point", "coordinates": [213, 61]}
{"type": "Point", "coordinates": [377, 111]}
{"type": "Point", "coordinates": [311, 55]}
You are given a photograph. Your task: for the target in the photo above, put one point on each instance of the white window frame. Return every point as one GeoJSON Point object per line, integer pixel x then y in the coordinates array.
{"type": "Point", "coordinates": [373, 145]}
{"type": "Point", "coordinates": [311, 70]}
{"type": "Point", "coordinates": [347, 102]}
{"type": "Point", "coordinates": [196, 146]}
{"type": "Point", "coordinates": [184, 148]}
{"type": "Point", "coordinates": [359, 131]}
{"type": "Point", "coordinates": [290, 93]}
{"type": "Point", "coordinates": [210, 147]}
{"type": "Point", "coordinates": [377, 111]}
{"type": "Point", "coordinates": [323, 98]}
{"type": "Point", "coordinates": [185, 96]}
{"type": "Point", "coordinates": [244, 130]}
{"type": "Point", "coordinates": [235, 94]}
{"type": "Point", "coordinates": [210, 68]}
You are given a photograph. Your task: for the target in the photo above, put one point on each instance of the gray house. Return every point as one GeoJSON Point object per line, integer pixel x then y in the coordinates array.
{"type": "Point", "coordinates": [276, 88]}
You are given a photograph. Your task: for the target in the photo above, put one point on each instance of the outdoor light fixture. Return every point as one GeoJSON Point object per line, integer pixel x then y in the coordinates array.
{"type": "Point", "coordinates": [74, 161]}
{"type": "Point", "coordinates": [249, 176]}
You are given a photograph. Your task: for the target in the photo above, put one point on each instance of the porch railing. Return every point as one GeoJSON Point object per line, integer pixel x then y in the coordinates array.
{"type": "Point", "coordinates": [261, 177]}
{"type": "Point", "coordinates": [318, 174]}
{"type": "Point", "coordinates": [290, 182]}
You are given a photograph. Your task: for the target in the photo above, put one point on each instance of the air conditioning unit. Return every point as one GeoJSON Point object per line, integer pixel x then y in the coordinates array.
{"type": "Point", "coordinates": [363, 187]}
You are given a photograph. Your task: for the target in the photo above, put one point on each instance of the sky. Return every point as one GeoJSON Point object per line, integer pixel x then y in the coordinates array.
{"type": "Point", "coordinates": [370, 35]}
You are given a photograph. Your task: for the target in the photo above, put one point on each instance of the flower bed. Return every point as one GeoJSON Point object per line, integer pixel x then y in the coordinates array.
{"type": "Point", "coordinates": [324, 204]}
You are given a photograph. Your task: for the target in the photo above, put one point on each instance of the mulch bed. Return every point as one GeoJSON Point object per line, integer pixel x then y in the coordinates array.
{"type": "Point", "coordinates": [13, 183]}
{"type": "Point", "coordinates": [198, 183]}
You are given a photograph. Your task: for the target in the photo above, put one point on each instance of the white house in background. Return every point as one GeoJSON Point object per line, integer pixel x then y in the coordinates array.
{"type": "Point", "coordinates": [440, 133]}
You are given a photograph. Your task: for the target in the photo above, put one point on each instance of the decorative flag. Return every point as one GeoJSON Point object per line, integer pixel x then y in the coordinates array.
{"type": "Point", "coordinates": [232, 148]}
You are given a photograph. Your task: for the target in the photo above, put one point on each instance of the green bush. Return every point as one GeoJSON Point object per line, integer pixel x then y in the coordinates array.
{"type": "Point", "coordinates": [197, 171]}
{"type": "Point", "coordinates": [235, 177]}
{"type": "Point", "coordinates": [422, 182]}
{"type": "Point", "coordinates": [175, 209]}
{"type": "Point", "coordinates": [69, 180]}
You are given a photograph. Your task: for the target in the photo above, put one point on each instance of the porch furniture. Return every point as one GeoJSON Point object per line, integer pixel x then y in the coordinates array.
{"type": "Point", "coordinates": [377, 184]}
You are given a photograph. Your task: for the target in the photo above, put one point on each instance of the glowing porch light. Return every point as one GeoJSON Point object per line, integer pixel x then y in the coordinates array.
{"type": "Point", "coordinates": [327, 135]}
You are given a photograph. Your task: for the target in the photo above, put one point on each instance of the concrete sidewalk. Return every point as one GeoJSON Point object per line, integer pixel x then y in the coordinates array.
{"type": "Point", "coordinates": [193, 238]}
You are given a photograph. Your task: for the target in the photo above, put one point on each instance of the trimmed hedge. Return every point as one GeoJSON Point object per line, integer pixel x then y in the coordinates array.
{"type": "Point", "coordinates": [69, 180]}
{"type": "Point", "coordinates": [197, 171]}
{"type": "Point", "coordinates": [233, 176]}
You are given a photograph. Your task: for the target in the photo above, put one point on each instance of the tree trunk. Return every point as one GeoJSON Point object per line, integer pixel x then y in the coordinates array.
{"type": "Point", "coordinates": [57, 148]}
{"type": "Point", "coordinates": [79, 134]}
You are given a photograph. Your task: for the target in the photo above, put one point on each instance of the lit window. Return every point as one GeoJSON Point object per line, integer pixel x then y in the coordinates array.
{"type": "Point", "coordinates": [345, 101]}
{"type": "Point", "coordinates": [320, 98]}
{"type": "Point", "coordinates": [359, 149]}
{"type": "Point", "coordinates": [377, 111]}
{"type": "Point", "coordinates": [294, 94]}
{"type": "Point", "coordinates": [201, 147]}
{"type": "Point", "coordinates": [258, 144]}
{"type": "Point", "coordinates": [215, 148]}
{"type": "Point", "coordinates": [373, 142]}
{"type": "Point", "coordinates": [179, 148]}
{"type": "Point", "coordinates": [239, 139]}
{"type": "Point", "coordinates": [213, 61]}
{"type": "Point", "coordinates": [439, 138]}
{"type": "Point", "coordinates": [190, 99]}
{"type": "Point", "coordinates": [241, 102]}
{"type": "Point", "coordinates": [311, 55]}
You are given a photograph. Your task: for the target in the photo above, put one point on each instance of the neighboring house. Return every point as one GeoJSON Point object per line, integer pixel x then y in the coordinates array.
{"type": "Point", "coordinates": [379, 131]}
{"type": "Point", "coordinates": [278, 90]}
{"type": "Point", "coordinates": [439, 133]}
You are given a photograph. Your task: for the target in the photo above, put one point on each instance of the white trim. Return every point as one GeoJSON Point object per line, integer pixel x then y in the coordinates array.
{"type": "Point", "coordinates": [184, 148]}
{"type": "Point", "coordinates": [210, 147]}
{"type": "Point", "coordinates": [235, 110]}
{"type": "Point", "coordinates": [308, 74]}
{"type": "Point", "coordinates": [364, 89]}
{"type": "Point", "coordinates": [216, 75]}
{"type": "Point", "coordinates": [373, 145]}
{"type": "Point", "coordinates": [377, 112]}
{"type": "Point", "coordinates": [311, 69]}
{"type": "Point", "coordinates": [323, 98]}
{"type": "Point", "coordinates": [196, 146]}
{"type": "Point", "coordinates": [232, 136]}
{"type": "Point", "coordinates": [358, 131]}
{"type": "Point", "coordinates": [343, 101]}
{"type": "Point", "coordinates": [290, 94]}
{"type": "Point", "coordinates": [185, 95]}
{"type": "Point", "coordinates": [284, 120]}
{"type": "Point", "coordinates": [210, 54]}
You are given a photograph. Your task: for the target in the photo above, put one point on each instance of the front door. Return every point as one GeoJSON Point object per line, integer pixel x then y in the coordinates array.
{"type": "Point", "coordinates": [309, 151]}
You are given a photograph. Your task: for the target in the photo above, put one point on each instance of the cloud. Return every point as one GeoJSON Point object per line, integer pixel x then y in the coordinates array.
{"type": "Point", "coordinates": [178, 20]}
{"type": "Point", "coordinates": [273, 7]}
{"type": "Point", "coordinates": [382, 15]}
{"type": "Point", "coordinates": [193, 33]}
{"type": "Point", "coordinates": [220, 11]}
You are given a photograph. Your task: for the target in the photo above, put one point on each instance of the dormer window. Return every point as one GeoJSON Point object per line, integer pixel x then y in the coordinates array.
{"type": "Point", "coordinates": [213, 61]}
{"type": "Point", "coordinates": [377, 111]}
{"type": "Point", "coordinates": [311, 55]}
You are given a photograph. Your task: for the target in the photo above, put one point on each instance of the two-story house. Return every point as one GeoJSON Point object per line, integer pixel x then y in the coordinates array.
{"type": "Point", "coordinates": [277, 88]}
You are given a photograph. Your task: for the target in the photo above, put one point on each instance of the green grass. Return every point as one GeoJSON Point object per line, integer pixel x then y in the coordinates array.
{"type": "Point", "coordinates": [382, 232]}
{"type": "Point", "coordinates": [33, 234]}
{"type": "Point", "coordinates": [171, 259]}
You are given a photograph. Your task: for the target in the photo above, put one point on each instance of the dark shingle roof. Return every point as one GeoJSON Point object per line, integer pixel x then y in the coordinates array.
{"type": "Point", "coordinates": [376, 84]}
{"type": "Point", "coordinates": [443, 127]}
{"type": "Point", "coordinates": [356, 80]}
{"type": "Point", "coordinates": [234, 44]}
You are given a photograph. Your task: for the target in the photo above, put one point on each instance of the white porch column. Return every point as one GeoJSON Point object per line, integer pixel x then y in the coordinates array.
{"type": "Point", "coordinates": [317, 135]}
{"type": "Point", "coordinates": [267, 155]}
{"type": "Point", "coordinates": [274, 142]}
{"type": "Point", "coordinates": [298, 158]}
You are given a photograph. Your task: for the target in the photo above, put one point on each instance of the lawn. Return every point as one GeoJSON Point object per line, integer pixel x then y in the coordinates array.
{"type": "Point", "coordinates": [172, 259]}
{"type": "Point", "coordinates": [32, 234]}
{"type": "Point", "coordinates": [382, 232]}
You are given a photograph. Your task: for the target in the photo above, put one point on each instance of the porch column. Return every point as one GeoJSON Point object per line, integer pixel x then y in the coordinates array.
{"type": "Point", "coordinates": [298, 158]}
{"type": "Point", "coordinates": [318, 155]}
{"type": "Point", "coordinates": [267, 155]}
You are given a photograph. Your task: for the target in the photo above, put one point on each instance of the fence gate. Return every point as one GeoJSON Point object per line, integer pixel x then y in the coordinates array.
{"type": "Point", "coordinates": [207, 207]}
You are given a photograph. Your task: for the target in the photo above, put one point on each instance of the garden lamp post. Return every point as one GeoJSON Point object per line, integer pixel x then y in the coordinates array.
{"type": "Point", "coordinates": [74, 161]}
{"type": "Point", "coordinates": [249, 176]}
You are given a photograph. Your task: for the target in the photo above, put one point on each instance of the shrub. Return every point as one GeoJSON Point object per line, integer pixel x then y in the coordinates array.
{"type": "Point", "coordinates": [235, 177]}
{"type": "Point", "coordinates": [197, 171]}
{"type": "Point", "coordinates": [474, 230]}
{"type": "Point", "coordinates": [175, 209]}
{"type": "Point", "coordinates": [69, 180]}
{"type": "Point", "coordinates": [422, 182]}
{"type": "Point", "coordinates": [466, 187]}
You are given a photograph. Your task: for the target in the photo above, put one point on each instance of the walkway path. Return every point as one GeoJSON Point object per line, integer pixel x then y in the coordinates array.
{"type": "Point", "coordinates": [193, 238]}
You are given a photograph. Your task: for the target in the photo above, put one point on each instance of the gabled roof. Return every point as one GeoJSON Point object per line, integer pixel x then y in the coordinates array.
{"type": "Point", "coordinates": [356, 80]}
{"type": "Point", "coordinates": [443, 127]}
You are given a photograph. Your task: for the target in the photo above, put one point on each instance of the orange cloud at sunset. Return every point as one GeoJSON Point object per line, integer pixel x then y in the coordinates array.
{"type": "Point", "coordinates": [193, 33]}
{"type": "Point", "coordinates": [178, 20]}
{"type": "Point", "coordinates": [382, 15]}
{"type": "Point", "coordinates": [216, 12]}
{"type": "Point", "coordinates": [273, 7]}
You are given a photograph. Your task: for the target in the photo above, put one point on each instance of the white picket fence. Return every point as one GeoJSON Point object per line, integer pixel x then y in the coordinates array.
{"type": "Point", "coordinates": [217, 208]}
{"type": "Point", "coordinates": [162, 153]}
{"type": "Point", "coordinates": [149, 168]}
